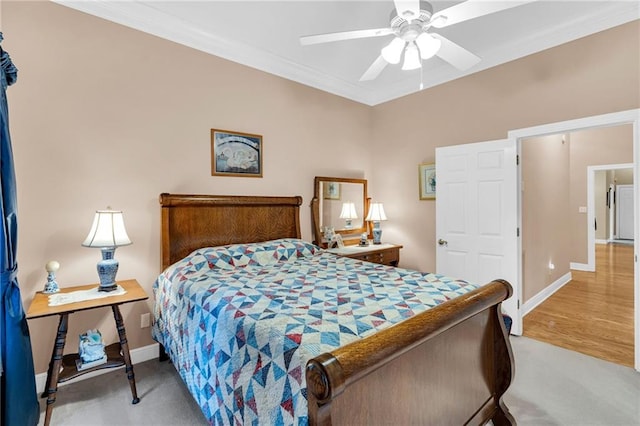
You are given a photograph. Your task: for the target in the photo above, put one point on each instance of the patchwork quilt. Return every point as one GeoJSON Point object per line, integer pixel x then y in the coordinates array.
{"type": "Point", "coordinates": [241, 321]}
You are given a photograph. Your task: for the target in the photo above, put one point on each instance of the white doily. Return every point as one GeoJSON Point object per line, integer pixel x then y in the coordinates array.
{"type": "Point", "coordinates": [82, 295]}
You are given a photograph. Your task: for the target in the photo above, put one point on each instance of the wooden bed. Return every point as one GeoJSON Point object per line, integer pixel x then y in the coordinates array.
{"type": "Point", "coordinates": [448, 365]}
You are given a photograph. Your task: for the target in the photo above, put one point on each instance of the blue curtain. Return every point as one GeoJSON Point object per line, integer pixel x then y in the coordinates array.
{"type": "Point", "coordinates": [19, 396]}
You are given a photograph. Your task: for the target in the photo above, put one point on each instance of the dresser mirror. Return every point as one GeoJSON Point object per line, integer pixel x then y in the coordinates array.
{"type": "Point", "coordinates": [339, 205]}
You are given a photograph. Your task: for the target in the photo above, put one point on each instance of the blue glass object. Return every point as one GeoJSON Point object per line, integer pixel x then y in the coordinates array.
{"type": "Point", "coordinates": [91, 346]}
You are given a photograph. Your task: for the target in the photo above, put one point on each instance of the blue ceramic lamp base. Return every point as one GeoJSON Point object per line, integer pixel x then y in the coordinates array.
{"type": "Point", "coordinates": [107, 270]}
{"type": "Point", "coordinates": [377, 233]}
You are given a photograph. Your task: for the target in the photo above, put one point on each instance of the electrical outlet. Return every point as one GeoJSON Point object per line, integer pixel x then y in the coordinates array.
{"type": "Point", "coordinates": [145, 320]}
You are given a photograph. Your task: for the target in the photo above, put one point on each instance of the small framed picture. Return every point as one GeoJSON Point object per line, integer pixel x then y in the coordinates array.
{"type": "Point", "coordinates": [427, 181]}
{"type": "Point", "coordinates": [331, 190]}
{"type": "Point", "coordinates": [235, 154]}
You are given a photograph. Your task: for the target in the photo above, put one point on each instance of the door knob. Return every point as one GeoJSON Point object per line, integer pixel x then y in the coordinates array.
{"type": "Point", "coordinates": [442, 242]}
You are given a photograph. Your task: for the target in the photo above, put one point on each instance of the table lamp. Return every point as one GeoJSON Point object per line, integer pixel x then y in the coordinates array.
{"type": "Point", "coordinates": [376, 214]}
{"type": "Point", "coordinates": [107, 233]}
{"type": "Point", "coordinates": [348, 213]}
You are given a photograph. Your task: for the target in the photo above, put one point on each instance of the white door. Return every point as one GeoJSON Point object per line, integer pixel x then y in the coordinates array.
{"type": "Point", "coordinates": [624, 211]}
{"type": "Point", "coordinates": [477, 215]}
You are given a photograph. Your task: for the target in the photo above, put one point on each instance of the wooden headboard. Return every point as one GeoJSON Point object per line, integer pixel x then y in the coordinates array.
{"type": "Point", "coordinates": [190, 222]}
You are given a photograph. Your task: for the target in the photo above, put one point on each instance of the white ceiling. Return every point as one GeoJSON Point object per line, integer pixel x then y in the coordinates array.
{"type": "Point", "coordinates": [265, 35]}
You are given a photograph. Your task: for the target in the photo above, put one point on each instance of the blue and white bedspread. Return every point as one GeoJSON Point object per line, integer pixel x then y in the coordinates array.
{"type": "Point", "coordinates": [240, 322]}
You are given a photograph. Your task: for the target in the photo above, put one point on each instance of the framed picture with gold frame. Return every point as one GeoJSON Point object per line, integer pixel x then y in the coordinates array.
{"type": "Point", "coordinates": [235, 154]}
{"type": "Point", "coordinates": [427, 181]}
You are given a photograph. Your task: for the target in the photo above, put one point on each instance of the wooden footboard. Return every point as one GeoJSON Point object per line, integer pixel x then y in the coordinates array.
{"type": "Point", "coordinates": [448, 365]}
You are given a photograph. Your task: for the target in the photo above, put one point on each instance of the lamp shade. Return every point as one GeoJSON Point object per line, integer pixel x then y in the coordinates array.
{"type": "Point", "coordinates": [393, 51]}
{"type": "Point", "coordinates": [428, 45]}
{"type": "Point", "coordinates": [411, 58]}
{"type": "Point", "coordinates": [348, 211]}
{"type": "Point", "coordinates": [107, 230]}
{"type": "Point", "coordinates": [376, 213]}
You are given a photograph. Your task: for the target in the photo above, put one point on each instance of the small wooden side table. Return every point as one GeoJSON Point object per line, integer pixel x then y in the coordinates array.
{"type": "Point", "coordinates": [63, 367]}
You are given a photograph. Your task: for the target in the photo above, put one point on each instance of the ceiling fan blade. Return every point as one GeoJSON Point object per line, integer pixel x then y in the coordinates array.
{"type": "Point", "coordinates": [374, 70]}
{"type": "Point", "coordinates": [407, 9]}
{"type": "Point", "coordinates": [471, 9]}
{"type": "Point", "coordinates": [457, 56]}
{"type": "Point", "coordinates": [345, 35]}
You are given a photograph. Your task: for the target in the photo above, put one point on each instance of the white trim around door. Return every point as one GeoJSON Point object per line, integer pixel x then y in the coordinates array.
{"type": "Point", "coordinates": [591, 210]}
{"type": "Point", "coordinates": [613, 119]}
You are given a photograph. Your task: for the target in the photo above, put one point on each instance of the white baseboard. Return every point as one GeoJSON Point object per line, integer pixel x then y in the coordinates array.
{"type": "Point", "coordinates": [602, 241]}
{"type": "Point", "coordinates": [581, 267]}
{"type": "Point", "coordinates": [145, 353]}
{"type": "Point", "coordinates": [543, 295]}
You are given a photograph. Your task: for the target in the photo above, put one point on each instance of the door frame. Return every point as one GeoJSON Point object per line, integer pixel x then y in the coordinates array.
{"type": "Point", "coordinates": [591, 214]}
{"type": "Point", "coordinates": [631, 117]}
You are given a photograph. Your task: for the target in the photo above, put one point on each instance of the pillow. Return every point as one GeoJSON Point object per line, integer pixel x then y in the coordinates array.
{"type": "Point", "coordinates": [257, 254]}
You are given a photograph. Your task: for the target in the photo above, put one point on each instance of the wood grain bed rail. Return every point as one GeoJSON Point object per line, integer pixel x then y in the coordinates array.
{"type": "Point", "coordinates": [330, 374]}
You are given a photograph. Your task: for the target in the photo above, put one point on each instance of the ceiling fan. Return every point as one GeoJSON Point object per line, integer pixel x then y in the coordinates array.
{"type": "Point", "coordinates": [411, 24]}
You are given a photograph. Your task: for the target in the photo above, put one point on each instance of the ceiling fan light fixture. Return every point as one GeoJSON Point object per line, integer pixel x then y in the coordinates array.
{"type": "Point", "coordinates": [393, 51]}
{"type": "Point", "coordinates": [411, 58]}
{"type": "Point", "coordinates": [428, 45]}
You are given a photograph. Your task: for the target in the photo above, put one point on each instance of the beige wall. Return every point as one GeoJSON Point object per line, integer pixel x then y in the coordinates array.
{"type": "Point", "coordinates": [594, 75]}
{"type": "Point", "coordinates": [623, 176]}
{"type": "Point", "coordinates": [554, 175]}
{"type": "Point", "coordinates": [545, 212]}
{"type": "Point", "coordinates": [592, 147]}
{"type": "Point", "coordinates": [105, 115]}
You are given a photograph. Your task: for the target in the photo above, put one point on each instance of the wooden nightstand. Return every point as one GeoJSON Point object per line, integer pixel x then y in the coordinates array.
{"type": "Point", "coordinates": [63, 367]}
{"type": "Point", "coordinates": [385, 254]}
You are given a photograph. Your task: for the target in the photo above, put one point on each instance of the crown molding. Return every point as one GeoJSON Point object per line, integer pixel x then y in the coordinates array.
{"type": "Point", "coordinates": [143, 17]}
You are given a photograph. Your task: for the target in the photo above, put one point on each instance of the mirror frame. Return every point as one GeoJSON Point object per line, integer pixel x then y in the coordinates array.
{"type": "Point", "coordinates": [349, 235]}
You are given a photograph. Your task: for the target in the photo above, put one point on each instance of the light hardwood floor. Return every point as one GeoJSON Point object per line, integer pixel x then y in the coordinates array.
{"type": "Point", "coordinates": [593, 313]}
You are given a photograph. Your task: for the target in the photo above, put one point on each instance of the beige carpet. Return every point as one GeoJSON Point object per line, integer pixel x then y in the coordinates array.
{"type": "Point", "coordinates": [552, 386]}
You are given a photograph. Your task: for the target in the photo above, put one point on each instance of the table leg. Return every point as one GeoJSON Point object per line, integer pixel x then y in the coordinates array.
{"type": "Point", "coordinates": [124, 347]}
{"type": "Point", "coordinates": [50, 369]}
{"type": "Point", "coordinates": [54, 366]}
